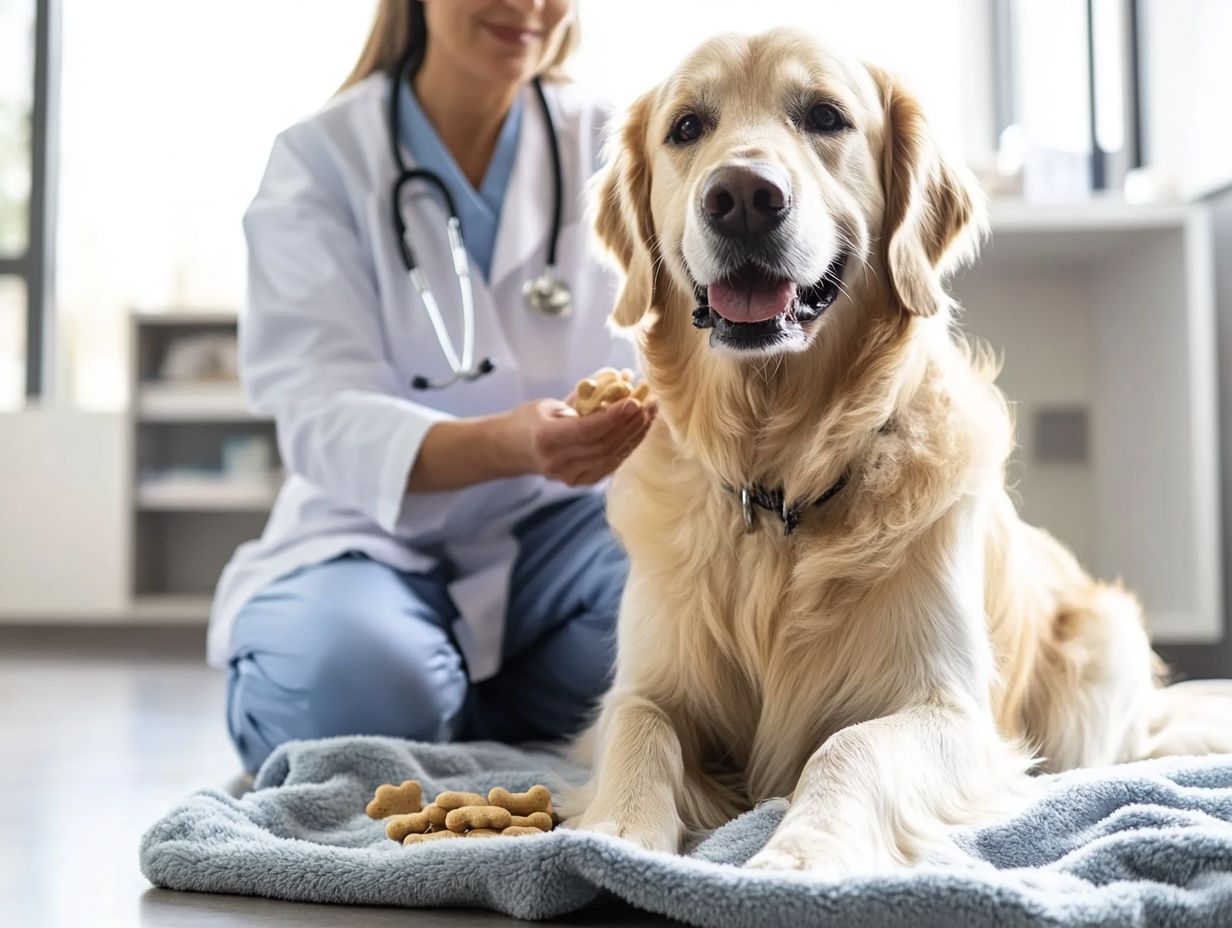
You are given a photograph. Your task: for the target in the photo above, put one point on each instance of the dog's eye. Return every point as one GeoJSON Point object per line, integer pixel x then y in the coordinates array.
{"type": "Point", "coordinates": [686, 129]}
{"type": "Point", "coordinates": [824, 117]}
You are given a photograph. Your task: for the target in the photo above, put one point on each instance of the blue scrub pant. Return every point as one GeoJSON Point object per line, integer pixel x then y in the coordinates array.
{"type": "Point", "coordinates": [352, 646]}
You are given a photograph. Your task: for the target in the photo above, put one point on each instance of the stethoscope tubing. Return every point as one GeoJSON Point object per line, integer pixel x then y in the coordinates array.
{"type": "Point", "coordinates": [463, 367]}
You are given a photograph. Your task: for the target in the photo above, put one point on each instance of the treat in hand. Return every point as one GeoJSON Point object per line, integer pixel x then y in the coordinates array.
{"type": "Point", "coordinates": [605, 387]}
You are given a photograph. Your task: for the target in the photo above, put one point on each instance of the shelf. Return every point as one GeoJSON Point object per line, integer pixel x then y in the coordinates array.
{"type": "Point", "coordinates": [186, 317]}
{"type": "Point", "coordinates": [1097, 214]}
{"type": "Point", "coordinates": [154, 609]}
{"type": "Point", "coordinates": [191, 494]}
{"type": "Point", "coordinates": [1078, 234]}
{"type": "Point", "coordinates": [184, 609]}
{"type": "Point", "coordinates": [223, 402]}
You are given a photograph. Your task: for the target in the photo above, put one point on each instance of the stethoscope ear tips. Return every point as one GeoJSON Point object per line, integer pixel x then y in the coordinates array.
{"type": "Point", "coordinates": [420, 382]}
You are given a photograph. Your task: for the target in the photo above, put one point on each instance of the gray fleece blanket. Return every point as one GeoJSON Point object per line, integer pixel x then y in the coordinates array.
{"type": "Point", "coordinates": [1143, 844]}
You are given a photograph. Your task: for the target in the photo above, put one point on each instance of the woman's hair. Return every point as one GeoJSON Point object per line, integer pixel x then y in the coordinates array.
{"type": "Point", "coordinates": [394, 28]}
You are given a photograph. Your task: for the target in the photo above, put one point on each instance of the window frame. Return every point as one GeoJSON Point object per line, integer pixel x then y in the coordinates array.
{"type": "Point", "coordinates": [35, 267]}
{"type": "Point", "coordinates": [1102, 163]}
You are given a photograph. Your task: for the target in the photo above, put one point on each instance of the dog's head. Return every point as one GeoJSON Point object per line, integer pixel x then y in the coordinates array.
{"type": "Point", "coordinates": [769, 185]}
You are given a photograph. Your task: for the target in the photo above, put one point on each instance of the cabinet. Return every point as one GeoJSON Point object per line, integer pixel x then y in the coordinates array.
{"type": "Point", "coordinates": [204, 468]}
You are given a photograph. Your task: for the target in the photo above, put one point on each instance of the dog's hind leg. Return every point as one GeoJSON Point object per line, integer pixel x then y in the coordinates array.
{"type": "Point", "coordinates": [1095, 683]}
{"type": "Point", "coordinates": [1098, 699]}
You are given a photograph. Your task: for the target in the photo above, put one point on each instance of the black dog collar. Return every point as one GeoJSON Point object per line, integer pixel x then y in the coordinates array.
{"type": "Point", "coordinates": [773, 500]}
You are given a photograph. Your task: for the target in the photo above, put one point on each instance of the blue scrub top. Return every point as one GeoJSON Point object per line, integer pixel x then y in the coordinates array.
{"type": "Point", "coordinates": [479, 210]}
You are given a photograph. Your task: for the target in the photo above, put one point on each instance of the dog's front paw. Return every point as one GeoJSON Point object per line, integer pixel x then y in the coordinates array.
{"type": "Point", "coordinates": [649, 835]}
{"type": "Point", "coordinates": [816, 853]}
{"type": "Point", "coordinates": [798, 849]}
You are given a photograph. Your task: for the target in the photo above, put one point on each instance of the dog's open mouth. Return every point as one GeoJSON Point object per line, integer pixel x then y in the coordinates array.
{"type": "Point", "coordinates": [754, 309]}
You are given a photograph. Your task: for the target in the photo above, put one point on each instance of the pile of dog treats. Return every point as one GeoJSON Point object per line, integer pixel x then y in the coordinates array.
{"type": "Point", "coordinates": [460, 815]}
{"type": "Point", "coordinates": [605, 387]}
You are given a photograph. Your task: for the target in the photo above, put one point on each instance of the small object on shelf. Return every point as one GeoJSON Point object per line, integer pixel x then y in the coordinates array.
{"type": "Point", "coordinates": [197, 357]}
{"type": "Point", "coordinates": [247, 458]}
{"type": "Point", "coordinates": [1148, 185]}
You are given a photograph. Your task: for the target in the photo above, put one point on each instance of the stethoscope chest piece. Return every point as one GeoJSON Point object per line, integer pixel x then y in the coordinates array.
{"type": "Point", "coordinates": [548, 295]}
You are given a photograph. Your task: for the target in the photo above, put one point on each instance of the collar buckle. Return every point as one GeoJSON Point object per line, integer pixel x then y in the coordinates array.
{"type": "Point", "coordinates": [746, 507]}
{"type": "Point", "coordinates": [790, 516]}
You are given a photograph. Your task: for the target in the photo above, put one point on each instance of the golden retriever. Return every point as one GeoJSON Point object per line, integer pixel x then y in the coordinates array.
{"type": "Point", "coordinates": [831, 596]}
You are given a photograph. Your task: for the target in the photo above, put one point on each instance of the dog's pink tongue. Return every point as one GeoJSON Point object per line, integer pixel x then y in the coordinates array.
{"type": "Point", "coordinates": [750, 301]}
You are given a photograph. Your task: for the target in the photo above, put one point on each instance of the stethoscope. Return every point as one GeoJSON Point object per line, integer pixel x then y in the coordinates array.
{"type": "Point", "coordinates": [547, 294]}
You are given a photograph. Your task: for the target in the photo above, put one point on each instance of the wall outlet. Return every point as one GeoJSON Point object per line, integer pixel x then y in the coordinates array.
{"type": "Point", "coordinates": [1060, 435]}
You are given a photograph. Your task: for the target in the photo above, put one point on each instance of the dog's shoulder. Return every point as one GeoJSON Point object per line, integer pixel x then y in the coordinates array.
{"type": "Point", "coordinates": [949, 436]}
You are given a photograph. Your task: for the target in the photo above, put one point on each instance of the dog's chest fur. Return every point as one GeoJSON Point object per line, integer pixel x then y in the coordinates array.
{"type": "Point", "coordinates": [754, 640]}
{"type": "Point", "coordinates": [765, 645]}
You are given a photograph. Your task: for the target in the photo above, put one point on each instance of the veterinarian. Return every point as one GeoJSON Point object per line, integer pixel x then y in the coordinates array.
{"type": "Point", "coordinates": [438, 565]}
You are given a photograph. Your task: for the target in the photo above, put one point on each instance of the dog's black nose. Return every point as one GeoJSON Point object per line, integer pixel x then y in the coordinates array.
{"type": "Point", "coordinates": [745, 201]}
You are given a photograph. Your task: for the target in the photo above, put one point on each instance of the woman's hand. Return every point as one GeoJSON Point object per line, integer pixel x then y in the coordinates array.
{"type": "Point", "coordinates": [548, 437]}
{"type": "Point", "coordinates": [545, 437]}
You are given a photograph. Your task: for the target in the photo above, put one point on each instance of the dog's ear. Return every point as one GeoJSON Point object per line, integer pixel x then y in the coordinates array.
{"type": "Point", "coordinates": [623, 221]}
{"type": "Point", "coordinates": [934, 211]}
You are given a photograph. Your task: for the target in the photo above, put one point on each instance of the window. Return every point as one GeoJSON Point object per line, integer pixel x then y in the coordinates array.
{"type": "Point", "coordinates": [168, 112]}
{"type": "Point", "coordinates": [940, 48]}
{"type": "Point", "coordinates": [16, 106]}
{"type": "Point", "coordinates": [24, 53]}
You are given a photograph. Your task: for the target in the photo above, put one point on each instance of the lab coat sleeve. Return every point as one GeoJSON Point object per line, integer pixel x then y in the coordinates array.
{"type": "Point", "coordinates": [312, 352]}
{"type": "Point", "coordinates": [623, 354]}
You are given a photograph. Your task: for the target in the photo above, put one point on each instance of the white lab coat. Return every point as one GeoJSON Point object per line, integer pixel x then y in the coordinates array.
{"type": "Point", "coordinates": [334, 331]}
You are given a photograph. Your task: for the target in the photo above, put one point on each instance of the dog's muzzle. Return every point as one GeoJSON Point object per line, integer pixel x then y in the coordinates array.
{"type": "Point", "coordinates": [756, 309]}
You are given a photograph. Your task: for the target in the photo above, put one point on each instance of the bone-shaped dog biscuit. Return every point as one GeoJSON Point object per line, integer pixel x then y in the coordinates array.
{"type": "Point", "coordinates": [535, 799]}
{"type": "Point", "coordinates": [514, 831]}
{"type": "Point", "coordinates": [430, 836]}
{"type": "Point", "coordinates": [399, 826]}
{"type": "Point", "coordinates": [436, 815]}
{"type": "Point", "coordinates": [453, 799]}
{"type": "Point", "coordinates": [541, 820]}
{"type": "Point", "coordinates": [396, 800]}
{"type": "Point", "coordinates": [469, 817]}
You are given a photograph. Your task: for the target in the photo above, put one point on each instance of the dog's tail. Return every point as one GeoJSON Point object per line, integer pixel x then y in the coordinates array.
{"type": "Point", "coordinates": [1193, 717]}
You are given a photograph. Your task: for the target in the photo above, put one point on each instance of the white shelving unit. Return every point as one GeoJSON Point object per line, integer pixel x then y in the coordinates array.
{"type": "Point", "coordinates": [1104, 316]}
{"type": "Point", "coordinates": [186, 515]}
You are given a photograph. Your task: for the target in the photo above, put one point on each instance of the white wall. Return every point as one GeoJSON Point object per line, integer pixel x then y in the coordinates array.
{"type": "Point", "coordinates": [1040, 325]}
{"type": "Point", "coordinates": [63, 514]}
